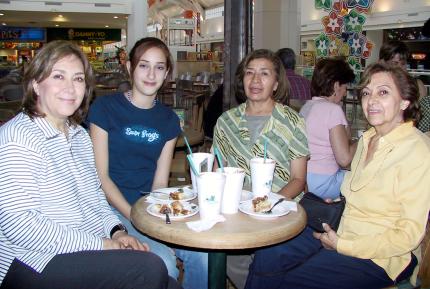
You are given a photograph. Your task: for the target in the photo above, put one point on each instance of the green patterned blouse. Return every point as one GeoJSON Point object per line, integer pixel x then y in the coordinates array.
{"type": "Point", "coordinates": [424, 123]}
{"type": "Point", "coordinates": [286, 140]}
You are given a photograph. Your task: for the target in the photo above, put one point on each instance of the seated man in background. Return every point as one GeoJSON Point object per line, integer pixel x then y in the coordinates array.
{"type": "Point", "coordinates": [300, 87]}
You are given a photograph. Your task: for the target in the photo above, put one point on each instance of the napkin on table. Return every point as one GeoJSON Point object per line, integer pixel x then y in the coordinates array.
{"type": "Point", "coordinates": [290, 205]}
{"type": "Point", "coordinates": [204, 225]}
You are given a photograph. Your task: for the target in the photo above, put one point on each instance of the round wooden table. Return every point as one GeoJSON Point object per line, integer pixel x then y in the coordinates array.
{"type": "Point", "coordinates": [239, 231]}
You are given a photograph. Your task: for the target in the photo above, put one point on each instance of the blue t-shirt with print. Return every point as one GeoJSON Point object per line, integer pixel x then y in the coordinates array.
{"type": "Point", "coordinates": [136, 139]}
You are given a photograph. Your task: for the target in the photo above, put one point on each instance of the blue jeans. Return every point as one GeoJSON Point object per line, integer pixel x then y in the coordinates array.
{"type": "Point", "coordinates": [165, 253]}
{"type": "Point", "coordinates": [303, 263]}
{"type": "Point", "coordinates": [195, 263]}
{"type": "Point", "coordinates": [325, 186]}
{"type": "Point", "coordinates": [195, 268]}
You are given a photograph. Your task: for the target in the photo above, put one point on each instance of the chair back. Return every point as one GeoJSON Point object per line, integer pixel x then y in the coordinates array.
{"type": "Point", "coordinates": [5, 115]}
{"type": "Point", "coordinates": [14, 105]}
{"type": "Point", "coordinates": [124, 86]}
{"type": "Point", "coordinates": [13, 93]}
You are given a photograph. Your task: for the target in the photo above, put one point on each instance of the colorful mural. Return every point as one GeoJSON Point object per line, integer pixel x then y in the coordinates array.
{"type": "Point", "coordinates": [342, 35]}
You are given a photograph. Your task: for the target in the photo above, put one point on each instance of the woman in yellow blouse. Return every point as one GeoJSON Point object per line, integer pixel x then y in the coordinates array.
{"type": "Point", "coordinates": [387, 202]}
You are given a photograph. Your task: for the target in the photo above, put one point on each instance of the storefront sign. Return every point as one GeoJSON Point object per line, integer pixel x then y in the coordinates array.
{"type": "Point", "coordinates": [83, 34]}
{"type": "Point", "coordinates": [22, 34]}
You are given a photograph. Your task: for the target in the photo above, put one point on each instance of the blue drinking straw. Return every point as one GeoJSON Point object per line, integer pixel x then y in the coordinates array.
{"type": "Point", "coordinates": [193, 167]}
{"type": "Point", "coordinates": [218, 157]}
{"type": "Point", "coordinates": [188, 145]}
{"type": "Point", "coordinates": [265, 149]}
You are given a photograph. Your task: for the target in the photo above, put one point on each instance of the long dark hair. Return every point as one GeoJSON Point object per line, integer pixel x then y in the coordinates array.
{"type": "Point", "coordinates": [143, 45]}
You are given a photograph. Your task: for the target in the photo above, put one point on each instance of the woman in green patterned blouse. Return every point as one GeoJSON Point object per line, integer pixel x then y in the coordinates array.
{"type": "Point", "coordinates": [241, 132]}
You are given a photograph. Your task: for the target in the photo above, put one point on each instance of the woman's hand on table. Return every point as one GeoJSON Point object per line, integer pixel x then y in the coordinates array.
{"type": "Point", "coordinates": [328, 239]}
{"type": "Point", "coordinates": [121, 240]}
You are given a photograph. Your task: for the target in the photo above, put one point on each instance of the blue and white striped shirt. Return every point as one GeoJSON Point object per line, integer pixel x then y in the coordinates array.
{"type": "Point", "coordinates": [51, 201]}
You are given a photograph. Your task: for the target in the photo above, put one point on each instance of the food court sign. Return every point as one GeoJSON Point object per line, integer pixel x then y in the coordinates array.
{"type": "Point", "coordinates": [19, 34]}
{"type": "Point", "coordinates": [83, 34]}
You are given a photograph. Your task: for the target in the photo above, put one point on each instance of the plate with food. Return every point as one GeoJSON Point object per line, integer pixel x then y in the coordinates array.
{"type": "Point", "coordinates": [173, 194]}
{"type": "Point", "coordinates": [177, 210]}
{"type": "Point", "coordinates": [258, 206]}
{"type": "Point", "coordinates": [247, 195]}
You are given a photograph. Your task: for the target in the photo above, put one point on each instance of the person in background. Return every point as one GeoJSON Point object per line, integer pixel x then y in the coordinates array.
{"type": "Point", "coordinates": [396, 52]}
{"type": "Point", "coordinates": [240, 134]}
{"type": "Point", "coordinates": [56, 227]}
{"type": "Point", "coordinates": [387, 202]}
{"type": "Point", "coordinates": [327, 128]}
{"type": "Point", "coordinates": [300, 87]}
{"type": "Point", "coordinates": [134, 138]}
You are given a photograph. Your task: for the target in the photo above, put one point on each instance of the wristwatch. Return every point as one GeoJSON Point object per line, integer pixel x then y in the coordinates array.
{"type": "Point", "coordinates": [119, 227]}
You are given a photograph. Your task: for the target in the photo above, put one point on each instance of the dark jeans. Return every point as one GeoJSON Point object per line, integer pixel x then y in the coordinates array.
{"type": "Point", "coordinates": [303, 263]}
{"type": "Point", "coordinates": [93, 269]}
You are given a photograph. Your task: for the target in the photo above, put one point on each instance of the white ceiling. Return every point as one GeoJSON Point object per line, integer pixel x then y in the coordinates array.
{"type": "Point", "coordinates": [161, 10]}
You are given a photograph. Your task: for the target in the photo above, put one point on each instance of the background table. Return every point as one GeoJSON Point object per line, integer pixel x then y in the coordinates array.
{"type": "Point", "coordinates": [239, 231]}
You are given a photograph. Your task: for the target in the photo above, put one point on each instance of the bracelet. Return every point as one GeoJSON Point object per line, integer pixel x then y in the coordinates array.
{"type": "Point", "coordinates": [119, 227]}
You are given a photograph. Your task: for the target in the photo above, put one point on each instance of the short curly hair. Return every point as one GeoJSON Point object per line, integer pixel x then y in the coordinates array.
{"type": "Point", "coordinates": [327, 72]}
{"type": "Point", "coordinates": [281, 92]}
{"type": "Point", "coordinates": [404, 82]}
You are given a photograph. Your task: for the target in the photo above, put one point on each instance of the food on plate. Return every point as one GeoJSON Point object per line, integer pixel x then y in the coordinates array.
{"type": "Point", "coordinates": [176, 207]}
{"type": "Point", "coordinates": [177, 195]}
{"type": "Point", "coordinates": [261, 204]}
{"type": "Point", "coordinates": [164, 209]}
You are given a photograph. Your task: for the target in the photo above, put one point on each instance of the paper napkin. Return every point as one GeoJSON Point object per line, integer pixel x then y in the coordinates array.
{"type": "Point", "coordinates": [204, 225]}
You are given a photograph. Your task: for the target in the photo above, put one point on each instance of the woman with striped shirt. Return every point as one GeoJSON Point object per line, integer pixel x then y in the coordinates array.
{"type": "Point", "coordinates": [56, 227]}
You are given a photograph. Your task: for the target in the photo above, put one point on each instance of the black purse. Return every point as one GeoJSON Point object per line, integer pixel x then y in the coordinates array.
{"type": "Point", "coordinates": [319, 211]}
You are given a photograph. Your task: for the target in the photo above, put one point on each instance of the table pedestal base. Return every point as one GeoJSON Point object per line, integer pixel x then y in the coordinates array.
{"type": "Point", "coordinates": [217, 270]}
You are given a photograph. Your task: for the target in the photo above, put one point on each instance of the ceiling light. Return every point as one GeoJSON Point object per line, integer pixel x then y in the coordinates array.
{"type": "Point", "coordinates": [3, 24]}
{"type": "Point", "coordinates": [56, 25]}
{"type": "Point", "coordinates": [107, 26]}
{"type": "Point", "coordinates": [115, 17]}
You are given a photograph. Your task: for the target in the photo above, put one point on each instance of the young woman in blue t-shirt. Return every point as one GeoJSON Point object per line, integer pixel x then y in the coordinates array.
{"type": "Point", "coordinates": [134, 139]}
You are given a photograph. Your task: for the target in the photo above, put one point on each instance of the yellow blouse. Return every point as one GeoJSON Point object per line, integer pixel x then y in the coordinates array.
{"type": "Point", "coordinates": [388, 200]}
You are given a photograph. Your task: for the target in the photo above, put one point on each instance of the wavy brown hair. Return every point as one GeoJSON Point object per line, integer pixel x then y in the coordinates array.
{"type": "Point", "coordinates": [41, 67]}
{"type": "Point", "coordinates": [404, 82]}
{"type": "Point", "coordinates": [281, 92]}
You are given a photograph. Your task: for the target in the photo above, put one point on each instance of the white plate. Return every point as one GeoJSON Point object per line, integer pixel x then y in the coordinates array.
{"type": "Point", "coordinates": [163, 194]}
{"type": "Point", "coordinates": [247, 195]}
{"type": "Point", "coordinates": [153, 209]}
{"type": "Point", "coordinates": [280, 210]}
